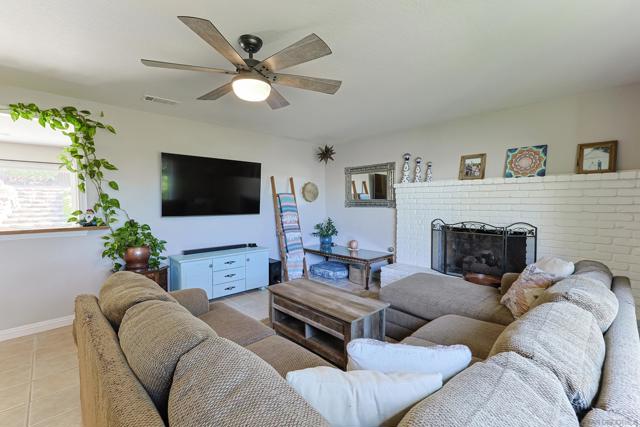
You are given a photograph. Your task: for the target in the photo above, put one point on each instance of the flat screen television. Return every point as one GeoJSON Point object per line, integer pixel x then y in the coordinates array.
{"type": "Point", "coordinates": [205, 186]}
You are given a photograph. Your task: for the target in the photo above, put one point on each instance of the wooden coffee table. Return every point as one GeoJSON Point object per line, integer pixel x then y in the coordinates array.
{"type": "Point", "coordinates": [324, 319]}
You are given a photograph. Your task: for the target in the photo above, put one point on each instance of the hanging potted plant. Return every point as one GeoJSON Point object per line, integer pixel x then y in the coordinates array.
{"type": "Point", "coordinates": [325, 231]}
{"type": "Point", "coordinates": [132, 243]}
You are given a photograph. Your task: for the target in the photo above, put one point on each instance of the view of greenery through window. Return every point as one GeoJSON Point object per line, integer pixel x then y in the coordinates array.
{"type": "Point", "coordinates": [35, 195]}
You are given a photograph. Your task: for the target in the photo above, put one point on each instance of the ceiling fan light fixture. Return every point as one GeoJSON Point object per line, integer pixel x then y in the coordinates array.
{"type": "Point", "coordinates": [251, 88]}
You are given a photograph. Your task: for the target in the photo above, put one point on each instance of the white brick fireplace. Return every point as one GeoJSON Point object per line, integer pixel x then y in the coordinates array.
{"type": "Point", "coordinates": [578, 216]}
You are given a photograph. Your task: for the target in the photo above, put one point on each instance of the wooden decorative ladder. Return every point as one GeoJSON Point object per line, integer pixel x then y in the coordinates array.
{"type": "Point", "coordinates": [280, 231]}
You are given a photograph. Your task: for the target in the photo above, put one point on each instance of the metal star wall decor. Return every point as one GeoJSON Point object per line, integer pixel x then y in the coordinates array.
{"type": "Point", "coordinates": [326, 153]}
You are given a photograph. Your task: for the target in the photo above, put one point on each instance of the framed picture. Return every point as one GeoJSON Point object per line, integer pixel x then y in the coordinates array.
{"type": "Point", "coordinates": [472, 166]}
{"type": "Point", "coordinates": [526, 161]}
{"type": "Point", "coordinates": [597, 157]}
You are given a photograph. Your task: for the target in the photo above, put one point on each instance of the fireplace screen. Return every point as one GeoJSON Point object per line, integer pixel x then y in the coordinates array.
{"type": "Point", "coordinates": [476, 247]}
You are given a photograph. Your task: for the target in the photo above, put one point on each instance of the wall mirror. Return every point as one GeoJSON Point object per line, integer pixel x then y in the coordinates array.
{"type": "Point", "coordinates": [370, 186]}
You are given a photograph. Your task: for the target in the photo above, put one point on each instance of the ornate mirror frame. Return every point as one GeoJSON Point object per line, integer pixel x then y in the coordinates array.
{"type": "Point", "coordinates": [389, 202]}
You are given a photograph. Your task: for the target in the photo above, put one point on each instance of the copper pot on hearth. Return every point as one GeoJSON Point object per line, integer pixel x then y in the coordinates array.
{"type": "Point", "coordinates": [137, 258]}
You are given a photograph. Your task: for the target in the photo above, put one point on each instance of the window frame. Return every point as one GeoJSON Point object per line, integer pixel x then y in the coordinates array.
{"type": "Point", "coordinates": [80, 201]}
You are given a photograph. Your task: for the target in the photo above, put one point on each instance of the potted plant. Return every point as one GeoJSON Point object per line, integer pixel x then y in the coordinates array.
{"type": "Point", "coordinates": [132, 242]}
{"type": "Point", "coordinates": [325, 231]}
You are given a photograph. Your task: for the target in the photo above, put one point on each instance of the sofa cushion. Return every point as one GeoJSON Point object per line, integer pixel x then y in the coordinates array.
{"type": "Point", "coordinates": [619, 397]}
{"type": "Point", "coordinates": [285, 356]}
{"type": "Point", "coordinates": [506, 390]}
{"type": "Point", "coordinates": [452, 329]}
{"type": "Point", "coordinates": [229, 323]}
{"type": "Point", "coordinates": [424, 343]}
{"type": "Point", "coordinates": [373, 355]}
{"type": "Point", "coordinates": [566, 340]}
{"type": "Point", "coordinates": [362, 398]}
{"type": "Point", "coordinates": [594, 270]}
{"type": "Point", "coordinates": [586, 293]}
{"type": "Point", "coordinates": [125, 289]}
{"type": "Point", "coordinates": [153, 336]}
{"type": "Point", "coordinates": [194, 299]}
{"type": "Point", "coordinates": [400, 325]}
{"type": "Point", "coordinates": [531, 283]}
{"type": "Point", "coordinates": [218, 383]}
{"type": "Point", "coordinates": [430, 296]}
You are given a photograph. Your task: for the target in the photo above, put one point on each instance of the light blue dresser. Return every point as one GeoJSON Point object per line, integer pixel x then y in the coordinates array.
{"type": "Point", "coordinates": [221, 273]}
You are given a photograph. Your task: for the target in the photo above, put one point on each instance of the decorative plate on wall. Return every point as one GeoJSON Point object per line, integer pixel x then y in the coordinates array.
{"type": "Point", "coordinates": [526, 161]}
{"type": "Point", "coordinates": [310, 192]}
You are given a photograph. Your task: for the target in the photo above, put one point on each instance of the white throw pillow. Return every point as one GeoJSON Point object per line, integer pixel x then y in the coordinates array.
{"type": "Point", "coordinates": [386, 357]}
{"type": "Point", "coordinates": [555, 266]}
{"type": "Point", "coordinates": [362, 398]}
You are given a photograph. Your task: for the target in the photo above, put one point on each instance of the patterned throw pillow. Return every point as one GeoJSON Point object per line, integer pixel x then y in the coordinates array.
{"type": "Point", "coordinates": [530, 285]}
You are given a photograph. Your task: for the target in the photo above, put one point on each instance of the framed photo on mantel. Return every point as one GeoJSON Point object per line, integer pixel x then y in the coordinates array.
{"type": "Point", "coordinates": [597, 157]}
{"type": "Point", "coordinates": [472, 166]}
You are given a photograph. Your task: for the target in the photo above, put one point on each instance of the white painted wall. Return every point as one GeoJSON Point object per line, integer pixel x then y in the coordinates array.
{"type": "Point", "coordinates": [561, 123]}
{"type": "Point", "coordinates": [39, 278]}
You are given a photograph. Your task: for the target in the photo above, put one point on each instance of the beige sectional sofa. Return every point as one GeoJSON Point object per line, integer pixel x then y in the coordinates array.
{"type": "Point", "coordinates": [573, 358]}
{"type": "Point", "coordinates": [150, 358]}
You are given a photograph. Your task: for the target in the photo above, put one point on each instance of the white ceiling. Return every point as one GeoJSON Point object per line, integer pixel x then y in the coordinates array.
{"type": "Point", "coordinates": [403, 63]}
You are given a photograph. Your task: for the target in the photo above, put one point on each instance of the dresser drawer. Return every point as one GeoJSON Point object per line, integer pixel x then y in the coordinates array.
{"type": "Point", "coordinates": [228, 288]}
{"type": "Point", "coordinates": [228, 262]}
{"type": "Point", "coordinates": [231, 275]}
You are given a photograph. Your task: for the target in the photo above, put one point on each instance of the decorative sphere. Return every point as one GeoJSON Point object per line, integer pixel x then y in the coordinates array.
{"type": "Point", "coordinates": [353, 245]}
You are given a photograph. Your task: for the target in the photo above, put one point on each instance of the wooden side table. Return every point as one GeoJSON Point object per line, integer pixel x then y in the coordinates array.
{"type": "Point", "coordinates": [158, 275]}
{"type": "Point", "coordinates": [483, 279]}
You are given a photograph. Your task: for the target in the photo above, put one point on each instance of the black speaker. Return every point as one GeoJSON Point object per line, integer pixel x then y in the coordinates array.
{"type": "Point", "coordinates": [275, 271]}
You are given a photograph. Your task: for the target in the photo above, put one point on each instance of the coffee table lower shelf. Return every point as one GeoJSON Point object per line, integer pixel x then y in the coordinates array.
{"type": "Point", "coordinates": [311, 337]}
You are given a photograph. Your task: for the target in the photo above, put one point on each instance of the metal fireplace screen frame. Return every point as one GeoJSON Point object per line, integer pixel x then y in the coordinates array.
{"type": "Point", "coordinates": [439, 245]}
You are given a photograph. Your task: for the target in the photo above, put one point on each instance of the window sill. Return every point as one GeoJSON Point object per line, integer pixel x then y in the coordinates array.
{"type": "Point", "coordinates": [48, 232]}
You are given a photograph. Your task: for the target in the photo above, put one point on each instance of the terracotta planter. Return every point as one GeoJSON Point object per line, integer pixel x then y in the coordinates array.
{"type": "Point", "coordinates": [137, 258]}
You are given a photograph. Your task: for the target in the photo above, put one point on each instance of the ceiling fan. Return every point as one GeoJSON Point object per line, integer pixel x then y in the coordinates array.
{"type": "Point", "coordinates": [254, 79]}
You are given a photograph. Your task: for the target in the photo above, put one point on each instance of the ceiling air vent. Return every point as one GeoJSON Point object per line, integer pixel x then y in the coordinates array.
{"type": "Point", "coordinates": [151, 98]}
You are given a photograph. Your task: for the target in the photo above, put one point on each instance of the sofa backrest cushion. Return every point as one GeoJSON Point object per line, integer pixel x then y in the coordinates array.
{"type": "Point", "coordinates": [594, 270]}
{"type": "Point", "coordinates": [619, 398]}
{"type": "Point", "coordinates": [586, 293]}
{"type": "Point", "coordinates": [219, 383]}
{"type": "Point", "coordinates": [564, 339]}
{"type": "Point", "coordinates": [111, 395]}
{"type": "Point", "coordinates": [125, 289]}
{"type": "Point", "coordinates": [505, 390]}
{"type": "Point", "coordinates": [153, 336]}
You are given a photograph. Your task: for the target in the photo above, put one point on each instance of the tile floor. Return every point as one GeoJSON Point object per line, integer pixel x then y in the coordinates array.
{"type": "Point", "coordinates": [39, 383]}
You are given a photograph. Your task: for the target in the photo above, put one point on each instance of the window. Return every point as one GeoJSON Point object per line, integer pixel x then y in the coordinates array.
{"type": "Point", "coordinates": [36, 195]}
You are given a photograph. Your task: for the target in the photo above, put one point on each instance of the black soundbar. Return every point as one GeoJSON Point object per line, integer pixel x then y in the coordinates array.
{"type": "Point", "coordinates": [218, 248]}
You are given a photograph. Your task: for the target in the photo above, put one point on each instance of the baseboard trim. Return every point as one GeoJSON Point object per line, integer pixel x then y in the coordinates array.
{"type": "Point", "coordinates": [34, 328]}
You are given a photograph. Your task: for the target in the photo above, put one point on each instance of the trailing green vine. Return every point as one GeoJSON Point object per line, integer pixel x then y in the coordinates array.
{"type": "Point", "coordinates": [81, 159]}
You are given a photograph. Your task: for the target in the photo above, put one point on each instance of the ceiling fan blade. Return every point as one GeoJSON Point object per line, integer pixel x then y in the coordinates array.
{"type": "Point", "coordinates": [308, 83]}
{"type": "Point", "coordinates": [309, 48]}
{"type": "Point", "coordinates": [209, 33]}
{"type": "Point", "coordinates": [174, 66]}
{"type": "Point", "coordinates": [217, 93]}
{"type": "Point", "coordinates": [276, 100]}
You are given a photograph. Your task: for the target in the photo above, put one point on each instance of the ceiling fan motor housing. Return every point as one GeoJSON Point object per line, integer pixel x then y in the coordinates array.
{"type": "Point", "coordinates": [250, 43]}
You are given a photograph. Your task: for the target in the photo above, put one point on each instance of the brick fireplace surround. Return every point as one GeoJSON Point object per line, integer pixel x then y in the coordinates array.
{"type": "Point", "coordinates": [578, 216]}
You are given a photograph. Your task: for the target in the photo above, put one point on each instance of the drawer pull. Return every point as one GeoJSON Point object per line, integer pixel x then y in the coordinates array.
{"type": "Point", "coordinates": [230, 262]}
{"type": "Point", "coordinates": [210, 265]}
{"type": "Point", "coordinates": [230, 275]}
{"type": "Point", "coordinates": [229, 288]}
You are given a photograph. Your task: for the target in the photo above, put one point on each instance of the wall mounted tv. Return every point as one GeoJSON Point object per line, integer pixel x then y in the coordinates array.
{"type": "Point", "coordinates": [205, 186]}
